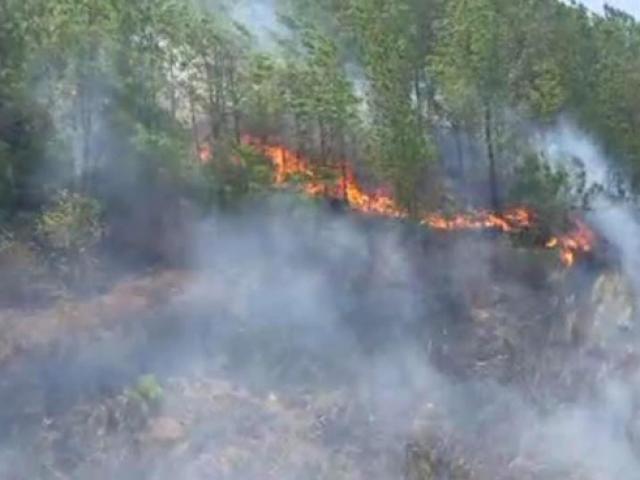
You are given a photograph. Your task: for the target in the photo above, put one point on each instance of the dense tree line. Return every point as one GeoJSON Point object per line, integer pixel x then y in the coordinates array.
{"type": "Point", "coordinates": [111, 98]}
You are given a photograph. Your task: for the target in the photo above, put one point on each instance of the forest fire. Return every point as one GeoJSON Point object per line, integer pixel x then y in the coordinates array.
{"type": "Point", "coordinates": [342, 183]}
{"type": "Point", "coordinates": [515, 219]}
{"type": "Point", "coordinates": [579, 240]}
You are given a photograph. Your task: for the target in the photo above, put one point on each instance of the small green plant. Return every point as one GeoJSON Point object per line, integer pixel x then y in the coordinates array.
{"type": "Point", "coordinates": [149, 389]}
{"type": "Point", "coordinates": [147, 392]}
{"type": "Point", "coordinates": [236, 172]}
{"type": "Point", "coordinates": [142, 399]}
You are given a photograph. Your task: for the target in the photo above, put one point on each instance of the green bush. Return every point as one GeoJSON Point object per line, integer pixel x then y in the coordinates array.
{"type": "Point", "coordinates": [553, 191]}
{"type": "Point", "coordinates": [68, 231]}
{"type": "Point", "coordinates": [235, 172]}
{"type": "Point", "coordinates": [148, 390]}
{"type": "Point", "coordinates": [143, 400]}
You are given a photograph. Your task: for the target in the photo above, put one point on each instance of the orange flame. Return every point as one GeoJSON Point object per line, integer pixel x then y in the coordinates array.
{"type": "Point", "coordinates": [289, 165]}
{"type": "Point", "coordinates": [579, 240]}
{"type": "Point", "coordinates": [205, 154]}
{"type": "Point", "coordinates": [515, 219]}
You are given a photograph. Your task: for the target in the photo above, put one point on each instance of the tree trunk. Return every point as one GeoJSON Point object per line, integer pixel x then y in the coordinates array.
{"type": "Point", "coordinates": [493, 174]}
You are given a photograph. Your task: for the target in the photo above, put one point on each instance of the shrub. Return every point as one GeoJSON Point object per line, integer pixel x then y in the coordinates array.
{"type": "Point", "coordinates": [553, 191]}
{"type": "Point", "coordinates": [142, 400]}
{"type": "Point", "coordinates": [68, 231]}
{"type": "Point", "coordinates": [148, 390]}
{"type": "Point", "coordinates": [233, 173]}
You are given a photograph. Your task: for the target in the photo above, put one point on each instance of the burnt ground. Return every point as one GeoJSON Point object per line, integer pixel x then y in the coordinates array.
{"type": "Point", "coordinates": [327, 351]}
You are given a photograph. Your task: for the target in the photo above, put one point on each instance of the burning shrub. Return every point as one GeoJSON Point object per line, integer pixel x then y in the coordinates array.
{"type": "Point", "coordinates": [69, 230]}
{"type": "Point", "coordinates": [553, 192]}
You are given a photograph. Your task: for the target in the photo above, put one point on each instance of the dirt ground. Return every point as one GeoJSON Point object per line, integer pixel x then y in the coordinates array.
{"type": "Point", "coordinates": [185, 374]}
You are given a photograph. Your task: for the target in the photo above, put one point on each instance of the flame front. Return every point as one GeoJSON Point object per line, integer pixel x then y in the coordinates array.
{"type": "Point", "coordinates": [289, 165]}
{"type": "Point", "coordinates": [579, 240]}
{"type": "Point", "coordinates": [512, 220]}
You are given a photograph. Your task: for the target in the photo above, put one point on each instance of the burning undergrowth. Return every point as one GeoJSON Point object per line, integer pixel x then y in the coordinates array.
{"type": "Point", "coordinates": [345, 186]}
{"type": "Point", "coordinates": [307, 344]}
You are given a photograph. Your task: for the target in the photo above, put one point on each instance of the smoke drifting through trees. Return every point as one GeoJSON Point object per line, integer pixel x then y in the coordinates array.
{"type": "Point", "coordinates": [614, 217]}
{"type": "Point", "coordinates": [436, 348]}
{"type": "Point", "coordinates": [219, 65]}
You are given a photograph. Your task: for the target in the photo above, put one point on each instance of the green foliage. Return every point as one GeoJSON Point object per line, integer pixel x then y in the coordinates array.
{"type": "Point", "coordinates": [147, 390]}
{"type": "Point", "coordinates": [552, 191]}
{"type": "Point", "coordinates": [110, 97]}
{"type": "Point", "coordinates": [25, 131]}
{"type": "Point", "coordinates": [162, 149]}
{"type": "Point", "coordinates": [71, 224]}
{"type": "Point", "coordinates": [389, 39]}
{"type": "Point", "coordinates": [235, 172]}
{"type": "Point", "coordinates": [262, 99]}
{"type": "Point", "coordinates": [142, 400]}
{"type": "Point", "coordinates": [69, 230]}
{"type": "Point", "coordinates": [541, 186]}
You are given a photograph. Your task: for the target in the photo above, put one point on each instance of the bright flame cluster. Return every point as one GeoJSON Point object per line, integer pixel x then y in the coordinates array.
{"type": "Point", "coordinates": [579, 240]}
{"type": "Point", "coordinates": [344, 185]}
{"type": "Point", "coordinates": [512, 220]}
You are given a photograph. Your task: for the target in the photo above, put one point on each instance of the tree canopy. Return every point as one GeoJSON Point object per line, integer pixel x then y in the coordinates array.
{"type": "Point", "coordinates": [105, 98]}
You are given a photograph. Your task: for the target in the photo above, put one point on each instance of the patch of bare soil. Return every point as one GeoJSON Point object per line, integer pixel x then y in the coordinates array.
{"type": "Point", "coordinates": [23, 332]}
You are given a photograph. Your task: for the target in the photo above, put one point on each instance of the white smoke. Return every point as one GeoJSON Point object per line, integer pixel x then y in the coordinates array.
{"type": "Point", "coordinates": [261, 18]}
{"type": "Point", "coordinates": [615, 220]}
